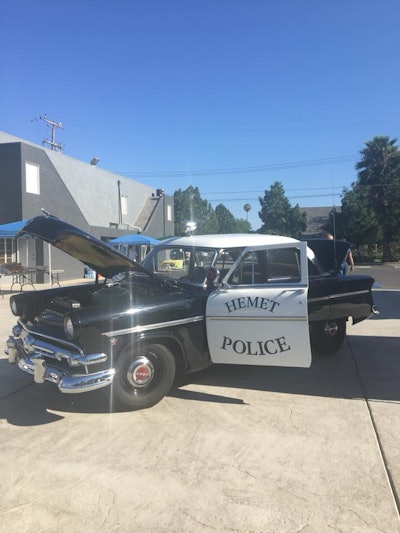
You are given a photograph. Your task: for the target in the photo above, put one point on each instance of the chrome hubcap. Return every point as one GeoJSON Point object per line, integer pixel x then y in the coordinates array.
{"type": "Point", "coordinates": [140, 372]}
{"type": "Point", "coordinates": [331, 329]}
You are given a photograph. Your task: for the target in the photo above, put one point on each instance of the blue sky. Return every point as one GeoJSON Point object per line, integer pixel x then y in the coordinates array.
{"type": "Point", "coordinates": [226, 95]}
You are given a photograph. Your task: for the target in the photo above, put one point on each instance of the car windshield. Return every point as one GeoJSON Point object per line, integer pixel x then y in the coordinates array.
{"type": "Point", "coordinates": [189, 264]}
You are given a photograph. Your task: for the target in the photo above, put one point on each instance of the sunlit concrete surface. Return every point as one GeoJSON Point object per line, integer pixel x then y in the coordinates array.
{"type": "Point", "coordinates": [231, 449]}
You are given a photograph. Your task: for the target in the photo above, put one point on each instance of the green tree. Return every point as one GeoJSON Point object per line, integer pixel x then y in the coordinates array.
{"type": "Point", "coordinates": [243, 226]}
{"type": "Point", "coordinates": [188, 205]}
{"type": "Point", "coordinates": [379, 174]}
{"type": "Point", "coordinates": [278, 216]}
{"type": "Point", "coordinates": [335, 224]}
{"type": "Point", "coordinates": [227, 223]}
{"type": "Point", "coordinates": [355, 221]}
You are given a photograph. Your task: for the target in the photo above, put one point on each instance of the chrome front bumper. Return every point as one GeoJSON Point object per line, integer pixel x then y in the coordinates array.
{"type": "Point", "coordinates": [33, 362]}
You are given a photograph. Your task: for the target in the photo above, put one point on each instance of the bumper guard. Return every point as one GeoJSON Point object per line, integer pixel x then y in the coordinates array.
{"type": "Point", "coordinates": [35, 364]}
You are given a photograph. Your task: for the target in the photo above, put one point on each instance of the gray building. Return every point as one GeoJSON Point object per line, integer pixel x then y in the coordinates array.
{"type": "Point", "coordinates": [317, 219]}
{"type": "Point", "coordinates": [100, 202]}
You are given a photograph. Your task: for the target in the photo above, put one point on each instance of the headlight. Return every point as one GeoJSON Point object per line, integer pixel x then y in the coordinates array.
{"type": "Point", "coordinates": [68, 327]}
{"type": "Point", "coordinates": [14, 307]}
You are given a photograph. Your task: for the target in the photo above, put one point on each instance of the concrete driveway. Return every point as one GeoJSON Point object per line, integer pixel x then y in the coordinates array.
{"type": "Point", "coordinates": [233, 449]}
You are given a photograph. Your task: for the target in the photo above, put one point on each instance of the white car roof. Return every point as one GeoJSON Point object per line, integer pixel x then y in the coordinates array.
{"type": "Point", "coordinates": [228, 240]}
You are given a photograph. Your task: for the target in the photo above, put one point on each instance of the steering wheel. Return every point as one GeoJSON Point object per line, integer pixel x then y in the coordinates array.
{"type": "Point", "coordinates": [198, 275]}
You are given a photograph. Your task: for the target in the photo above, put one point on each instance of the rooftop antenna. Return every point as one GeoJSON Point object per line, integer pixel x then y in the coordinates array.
{"type": "Point", "coordinates": [52, 143]}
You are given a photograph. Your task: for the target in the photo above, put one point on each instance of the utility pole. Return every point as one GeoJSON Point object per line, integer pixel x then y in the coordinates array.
{"type": "Point", "coordinates": [52, 143]}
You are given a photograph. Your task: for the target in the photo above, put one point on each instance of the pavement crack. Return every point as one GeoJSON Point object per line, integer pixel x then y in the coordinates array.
{"type": "Point", "coordinates": [388, 474]}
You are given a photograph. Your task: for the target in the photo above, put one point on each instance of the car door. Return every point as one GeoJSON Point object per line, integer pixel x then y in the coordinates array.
{"type": "Point", "coordinates": [258, 316]}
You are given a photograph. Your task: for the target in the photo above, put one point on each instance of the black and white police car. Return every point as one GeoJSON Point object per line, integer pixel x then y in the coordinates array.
{"type": "Point", "coordinates": [246, 299]}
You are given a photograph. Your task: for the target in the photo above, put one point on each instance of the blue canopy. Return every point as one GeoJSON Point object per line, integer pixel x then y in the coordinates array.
{"type": "Point", "coordinates": [133, 240]}
{"type": "Point", "coordinates": [8, 231]}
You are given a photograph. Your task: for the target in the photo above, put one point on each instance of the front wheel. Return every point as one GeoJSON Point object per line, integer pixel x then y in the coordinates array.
{"type": "Point", "coordinates": [143, 377]}
{"type": "Point", "coordinates": [327, 336]}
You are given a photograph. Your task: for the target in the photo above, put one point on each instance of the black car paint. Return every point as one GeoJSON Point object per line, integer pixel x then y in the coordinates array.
{"type": "Point", "coordinates": [93, 252]}
{"type": "Point", "coordinates": [334, 296]}
{"type": "Point", "coordinates": [106, 325]}
{"type": "Point", "coordinates": [146, 308]}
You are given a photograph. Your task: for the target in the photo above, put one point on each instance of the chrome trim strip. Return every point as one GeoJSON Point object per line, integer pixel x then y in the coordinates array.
{"type": "Point", "coordinates": [260, 318]}
{"type": "Point", "coordinates": [290, 286]}
{"type": "Point", "coordinates": [67, 384]}
{"type": "Point", "coordinates": [71, 345]}
{"type": "Point", "coordinates": [89, 382]}
{"type": "Point", "coordinates": [149, 327]}
{"type": "Point", "coordinates": [337, 296]}
{"type": "Point", "coordinates": [30, 346]}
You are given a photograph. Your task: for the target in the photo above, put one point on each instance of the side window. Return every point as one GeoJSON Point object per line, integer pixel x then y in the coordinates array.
{"type": "Point", "coordinates": [248, 271]}
{"type": "Point", "coordinates": [224, 261]}
{"type": "Point", "coordinates": [283, 265]}
{"type": "Point", "coordinates": [279, 265]}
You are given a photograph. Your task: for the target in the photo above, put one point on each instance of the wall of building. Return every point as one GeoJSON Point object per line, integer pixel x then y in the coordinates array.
{"type": "Point", "coordinates": [84, 195]}
{"type": "Point", "coordinates": [10, 183]}
{"type": "Point", "coordinates": [161, 223]}
{"type": "Point", "coordinates": [53, 196]}
{"type": "Point", "coordinates": [116, 198]}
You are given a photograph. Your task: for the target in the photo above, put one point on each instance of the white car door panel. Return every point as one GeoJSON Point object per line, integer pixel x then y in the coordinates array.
{"type": "Point", "coordinates": [263, 324]}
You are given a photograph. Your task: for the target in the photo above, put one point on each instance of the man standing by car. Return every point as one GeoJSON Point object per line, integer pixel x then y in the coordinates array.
{"type": "Point", "coordinates": [348, 263]}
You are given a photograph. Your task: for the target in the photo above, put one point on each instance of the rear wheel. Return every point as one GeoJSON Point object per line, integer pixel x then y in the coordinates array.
{"type": "Point", "coordinates": [143, 377]}
{"type": "Point", "coordinates": [328, 336]}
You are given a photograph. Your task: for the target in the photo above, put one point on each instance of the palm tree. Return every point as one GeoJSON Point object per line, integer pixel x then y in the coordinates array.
{"type": "Point", "coordinates": [379, 173]}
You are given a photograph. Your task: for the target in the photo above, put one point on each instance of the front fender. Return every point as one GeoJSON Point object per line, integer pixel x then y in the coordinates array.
{"type": "Point", "coordinates": [187, 344]}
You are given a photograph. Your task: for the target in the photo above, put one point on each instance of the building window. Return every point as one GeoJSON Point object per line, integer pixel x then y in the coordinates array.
{"type": "Point", "coordinates": [169, 213]}
{"type": "Point", "coordinates": [124, 205]}
{"type": "Point", "coordinates": [5, 250]}
{"type": "Point", "coordinates": [32, 176]}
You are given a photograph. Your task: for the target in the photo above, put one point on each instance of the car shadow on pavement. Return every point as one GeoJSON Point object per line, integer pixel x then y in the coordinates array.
{"type": "Point", "coordinates": [32, 404]}
{"type": "Point", "coordinates": [364, 367]}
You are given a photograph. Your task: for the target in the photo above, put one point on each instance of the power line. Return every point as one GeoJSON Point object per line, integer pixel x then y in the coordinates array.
{"type": "Point", "coordinates": [248, 199]}
{"type": "Point", "coordinates": [242, 170]}
{"type": "Point", "coordinates": [290, 189]}
{"type": "Point", "coordinates": [293, 196]}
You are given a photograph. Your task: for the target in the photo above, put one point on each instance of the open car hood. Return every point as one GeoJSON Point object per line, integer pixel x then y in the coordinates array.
{"type": "Point", "coordinates": [91, 251]}
{"type": "Point", "coordinates": [330, 253]}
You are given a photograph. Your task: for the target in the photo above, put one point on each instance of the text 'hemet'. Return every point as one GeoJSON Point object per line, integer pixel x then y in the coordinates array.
{"type": "Point", "coordinates": [247, 301]}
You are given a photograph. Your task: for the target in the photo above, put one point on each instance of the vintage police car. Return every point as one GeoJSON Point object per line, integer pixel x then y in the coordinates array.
{"type": "Point", "coordinates": [233, 299]}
